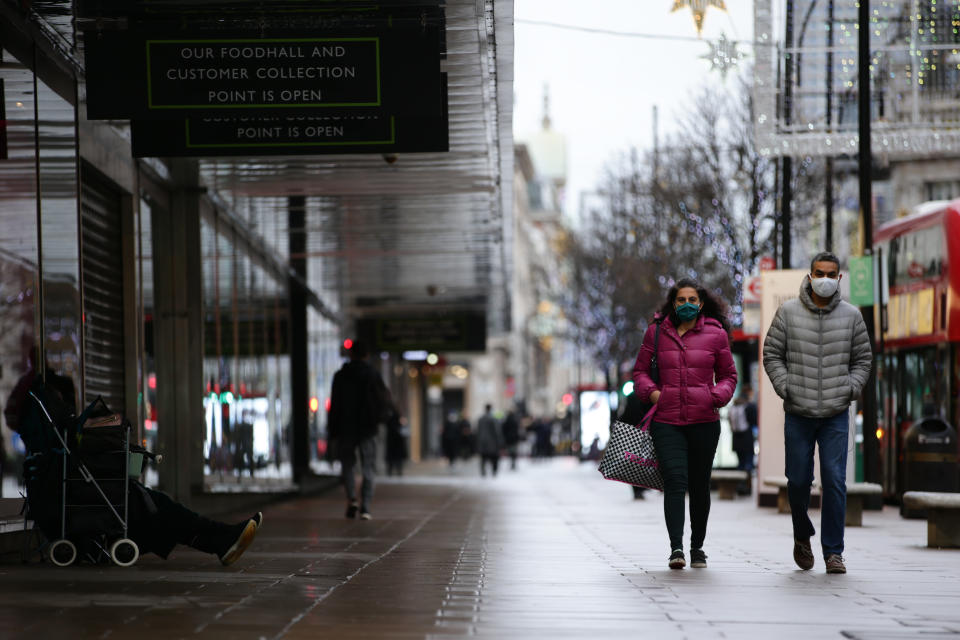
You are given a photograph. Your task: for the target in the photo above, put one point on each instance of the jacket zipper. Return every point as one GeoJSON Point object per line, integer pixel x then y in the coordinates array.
{"type": "Point", "coordinates": [820, 363]}
{"type": "Point", "coordinates": [683, 382]}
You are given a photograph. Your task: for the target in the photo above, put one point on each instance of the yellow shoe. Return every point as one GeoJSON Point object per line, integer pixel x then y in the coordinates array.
{"type": "Point", "coordinates": [244, 540]}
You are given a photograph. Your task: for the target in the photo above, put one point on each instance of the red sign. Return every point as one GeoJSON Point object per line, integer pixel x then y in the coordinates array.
{"type": "Point", "coordinates": [767, 263]}
{"type": "Point", "coordinates": [752, 290]}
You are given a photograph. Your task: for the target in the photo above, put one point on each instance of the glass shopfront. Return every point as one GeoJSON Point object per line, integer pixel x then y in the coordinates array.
{"type": "Point", "coordinates": [246, 364]}
{"type": "Point", "coordinates": [39, 248]}
{"type": "Point", "coordinates": [66, 223]}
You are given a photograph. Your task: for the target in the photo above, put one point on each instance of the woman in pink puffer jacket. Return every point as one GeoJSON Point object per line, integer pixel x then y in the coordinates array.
{"type": "Point", "coordinates": [697, 376]}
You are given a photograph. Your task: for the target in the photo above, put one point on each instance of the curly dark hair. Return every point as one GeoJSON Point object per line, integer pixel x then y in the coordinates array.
{"type": "Point", "coordinates": [713, 306]}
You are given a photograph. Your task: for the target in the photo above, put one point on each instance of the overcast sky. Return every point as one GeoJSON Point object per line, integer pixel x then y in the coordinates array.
{"type": "Point", "coordinates": [603, 87]}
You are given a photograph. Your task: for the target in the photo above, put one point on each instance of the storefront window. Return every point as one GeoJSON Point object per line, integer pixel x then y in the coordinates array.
{"type": "Point", "coordinates": [59, 235]}
{"type": "Point", "coordinates": [246, 372]}
{"type": "Point", "coordinates": [147, 370]}
{"type": "Point", "coordinates": [19, 259]}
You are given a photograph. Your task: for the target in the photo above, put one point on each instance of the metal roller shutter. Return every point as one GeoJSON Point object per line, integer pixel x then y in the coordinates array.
{"type": "Point", "coordinates": [100, 206]}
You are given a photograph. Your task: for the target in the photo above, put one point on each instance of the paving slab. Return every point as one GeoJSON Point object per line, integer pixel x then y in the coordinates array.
{"type": "Point", "coordinates": [548, 551]}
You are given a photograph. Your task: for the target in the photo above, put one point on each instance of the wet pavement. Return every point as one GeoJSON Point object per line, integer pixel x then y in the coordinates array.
{"type": "Point", "coordinates": [549, 551]}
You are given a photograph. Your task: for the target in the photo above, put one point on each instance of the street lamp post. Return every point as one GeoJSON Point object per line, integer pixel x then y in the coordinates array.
{"type": "Point", "coordinates": [786, 193]}
{"type": "Point", "coordinates": [871, 447]}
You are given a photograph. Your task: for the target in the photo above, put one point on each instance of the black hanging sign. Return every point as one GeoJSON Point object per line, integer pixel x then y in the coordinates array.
{"type": "Point", "coordinates": [268, 74]}
{"type": "Point", "coordinates": [288, 135]}
{"type": "Point", "coordinates": [149, 75]}
{"type": "Point", "coordinates": [454, 331]}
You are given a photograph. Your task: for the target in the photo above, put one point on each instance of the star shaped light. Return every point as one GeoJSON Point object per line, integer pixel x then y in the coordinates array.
{"type": "Point", "coordinates": [699, 9]}
{"type": "Point", "coordinates": [723, 55]}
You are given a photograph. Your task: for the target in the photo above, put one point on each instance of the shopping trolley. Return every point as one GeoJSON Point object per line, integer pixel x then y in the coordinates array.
{"type": "Point", "coordinates": [80, 496]}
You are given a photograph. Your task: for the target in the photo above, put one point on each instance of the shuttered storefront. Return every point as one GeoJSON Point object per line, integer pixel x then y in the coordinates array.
{"type": "Point", "coordinates": [100, 204]}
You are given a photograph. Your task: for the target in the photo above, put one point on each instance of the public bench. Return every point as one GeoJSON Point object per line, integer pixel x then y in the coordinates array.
{"type": "Point", "coordinates": [943, 515]}
{"type": "Point", "coordinates": [856, 495]}
{"type": "Point", "coordinates": [783, 500]}
{"type": "Point", "coordinates": [728, 481]}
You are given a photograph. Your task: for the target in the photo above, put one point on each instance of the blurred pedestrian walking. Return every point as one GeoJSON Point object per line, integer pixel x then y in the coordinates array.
{"type": "Point", "coordinates": [243, 456]}
{"type": "Point", "coordinates": [489, 441]}
{"type": "Point", "coordinates": [743, 418]}
{"type": "Point", "coordinates": [697, 377]}
{"type": "Point", "coordinates": [818, 357]}
{"type": "Point", "coordinates": [359, 403]}
{"type": "Point", "coordinates": [396, 449]}
{"type": "Point", "coordinates": [511, 437]}
{"type": "Point", "coordinates": [450, 437]}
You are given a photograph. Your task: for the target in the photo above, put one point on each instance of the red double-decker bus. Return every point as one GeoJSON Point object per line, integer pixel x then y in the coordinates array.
{"type": "Point", "coordinates": [918, 369]}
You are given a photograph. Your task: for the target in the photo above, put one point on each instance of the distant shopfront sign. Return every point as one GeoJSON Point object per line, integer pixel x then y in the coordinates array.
{"type": "Point", "coordinates": [437, 333]}
{"type": "Point", "coordinates": [861, 281]}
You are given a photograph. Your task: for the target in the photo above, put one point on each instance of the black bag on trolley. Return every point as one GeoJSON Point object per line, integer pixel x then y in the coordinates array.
{"type": "Point", "coordinates": [105, 442]}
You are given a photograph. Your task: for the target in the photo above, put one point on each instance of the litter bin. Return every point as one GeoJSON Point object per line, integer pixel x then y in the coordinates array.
{"type": "Point", "coordinates": [929, 460]}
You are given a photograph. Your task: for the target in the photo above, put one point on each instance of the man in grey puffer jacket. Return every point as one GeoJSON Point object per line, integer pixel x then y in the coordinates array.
{"type": "Point", "coordinates": [818, 357]}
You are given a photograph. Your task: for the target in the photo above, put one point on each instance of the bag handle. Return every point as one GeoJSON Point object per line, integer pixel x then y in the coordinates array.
{"type": "Point", "coordinates": [82, 418]}
{"type": "Point", "coordinates": [654, 367]}
{"type": "Point", "coordinates": [647, 418]}
{"type": "Point", "coordinates": [654, 375]}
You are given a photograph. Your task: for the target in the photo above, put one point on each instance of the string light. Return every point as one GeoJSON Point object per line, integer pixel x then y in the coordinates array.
{"type": "Point", "coordinates": [699, 9]}
{"type": "Point", "coordinates": [913, 64]}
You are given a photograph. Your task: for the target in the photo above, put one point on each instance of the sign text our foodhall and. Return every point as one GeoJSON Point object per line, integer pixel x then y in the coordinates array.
{"type": "Point", "coordinates": [263, 74]}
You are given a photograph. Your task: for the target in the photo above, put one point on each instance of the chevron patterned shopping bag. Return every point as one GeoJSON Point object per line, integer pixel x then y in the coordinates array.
{"type": "Point", "coordinates": [630, 456]}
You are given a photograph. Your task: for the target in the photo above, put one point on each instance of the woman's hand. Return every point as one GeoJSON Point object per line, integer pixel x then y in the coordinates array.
{"type": "Point", "coordinates": [654, 396]}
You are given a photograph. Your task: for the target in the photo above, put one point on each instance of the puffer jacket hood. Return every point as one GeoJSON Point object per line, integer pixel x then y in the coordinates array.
{"type": "Point", "coordinates": [818, 359]}
{"type": "Point", "coordinates": [697, 372]}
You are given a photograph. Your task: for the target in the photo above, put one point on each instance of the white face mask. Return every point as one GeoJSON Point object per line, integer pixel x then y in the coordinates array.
{"type": "Point", "coordinates": [824, 287]}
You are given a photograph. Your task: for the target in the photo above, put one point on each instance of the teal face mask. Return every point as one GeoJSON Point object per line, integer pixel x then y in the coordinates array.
{"type": "Point", "coordinates": [687, 311]}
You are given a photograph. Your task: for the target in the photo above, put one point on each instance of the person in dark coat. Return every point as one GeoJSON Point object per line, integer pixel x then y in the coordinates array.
{"type": "Point", "coordinates": [359, 402]}
{"type": "Point", "coordinates": [743, 419]}
{"type": "Point", "coordinates": [511, 437]}
{"type": "Point", "coordinates": [396, 453]}
{"type": "Point", "coordinates": [157, 522]}
{"type": "Point", "coordinates": [450, 438]}
{"type": "Point", "coordinates": [489, 441]}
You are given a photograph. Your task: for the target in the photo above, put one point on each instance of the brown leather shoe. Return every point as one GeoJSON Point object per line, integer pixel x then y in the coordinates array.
{"type": "Point", "coordinates": [802, 554]}
{"type": "Point", "coordinates": [835, 564]}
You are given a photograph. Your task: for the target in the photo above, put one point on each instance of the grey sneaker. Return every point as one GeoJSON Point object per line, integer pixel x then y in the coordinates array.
{"type": "Point", "coordinates": [676, 559]}
{"type": "Point", "coordinates": [803, 554]}
{"type": "Point", "coordinates": [698, 559]}
{"type": "Point", "coordinates": [835, 564]}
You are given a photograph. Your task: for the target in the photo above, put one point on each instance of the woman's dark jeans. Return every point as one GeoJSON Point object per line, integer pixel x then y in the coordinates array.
{"type": "Point", "coordinates": [686, 457]}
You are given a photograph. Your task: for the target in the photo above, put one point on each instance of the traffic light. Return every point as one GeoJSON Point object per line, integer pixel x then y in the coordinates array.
{"type": "Point", "coordinates": [627, 388]}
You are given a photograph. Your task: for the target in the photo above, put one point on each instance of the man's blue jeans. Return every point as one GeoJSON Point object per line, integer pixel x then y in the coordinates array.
{"type": "Point", "coordinates": [830, 435]}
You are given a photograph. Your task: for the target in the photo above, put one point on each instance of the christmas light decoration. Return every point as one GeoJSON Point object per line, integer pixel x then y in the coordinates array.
{"type": "Point", "coordinates": [723, 55]}
{"type": "Point", "coordinates": [699, 9]}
